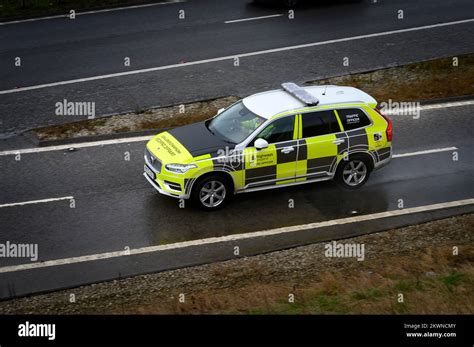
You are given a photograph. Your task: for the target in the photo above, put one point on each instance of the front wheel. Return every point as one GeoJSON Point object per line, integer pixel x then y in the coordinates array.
{"type": "Point", "coordinates": [353, 173]}
{"type": "Point", "coordinates": [211, 193]}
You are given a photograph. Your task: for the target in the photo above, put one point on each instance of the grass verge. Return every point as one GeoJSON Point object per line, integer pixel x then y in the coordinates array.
{"type": "Point", "coordinates": [416, 261]}
{"type": "Point", "coordinates": [155, 118]}
{"type": "Point", "coordinates": [434, 79]}
{"type": "Point", "coordinates": [428, 80]}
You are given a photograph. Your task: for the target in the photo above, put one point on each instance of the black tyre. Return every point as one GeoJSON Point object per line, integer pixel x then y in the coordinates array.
{"type": "Point", "coordinates": [354, 172]}
{"type": "Point", "coordinates": [211, 192]}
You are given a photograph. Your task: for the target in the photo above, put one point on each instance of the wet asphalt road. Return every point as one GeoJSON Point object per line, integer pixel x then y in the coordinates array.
{"type": "Point", "coordinates": [61, 49]}
{"type": "Point", "coordinates": [116, 207]}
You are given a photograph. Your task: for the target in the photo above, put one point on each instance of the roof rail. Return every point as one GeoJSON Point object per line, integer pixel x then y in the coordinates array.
{"type": "Point", "coordinates": [300, 94]}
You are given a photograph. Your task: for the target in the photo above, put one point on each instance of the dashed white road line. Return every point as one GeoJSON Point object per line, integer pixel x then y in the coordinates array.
{"type": "Point", "coordinates": [31, 202]}
{"type": "Point", "coordinates": [213, 240]}
{"type": "Point", "coordinates": [252, 18]}
{"type": "Point", "coordinates": [91, 12]}
{"type": "Point", "coordinates": [148, 137]}
{"type": "Point", "coordinates": [231, 57]}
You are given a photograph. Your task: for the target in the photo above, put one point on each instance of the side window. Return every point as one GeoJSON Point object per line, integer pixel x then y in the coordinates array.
{"type": "Point", "coordinates": [319, 123]}
{"type": "Point", "coordinates": [353, 118]}
{"type": "Point", "coordinates": [279, 130]}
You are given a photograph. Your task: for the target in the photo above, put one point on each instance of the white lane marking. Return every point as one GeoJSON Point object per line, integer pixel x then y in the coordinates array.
{"type": "Point", "coordinates": [213, 240]}
{"type": "Point", "coordinates": [229, 57]}
{"type": "Point", "coordinates": [447, 104]}
{"type": "Point", "coordinates": [36, 201]}
{"type": "Point", "coordinates": [92, 12]}
{"type": "Point", "coordinates": [252, 18]}
{"type": "Point", "coordinates": [148, 137]}
{"type": "Point", "coordinates": [76, 145]}
{"type": "Point", "coordinates": [428, 151]}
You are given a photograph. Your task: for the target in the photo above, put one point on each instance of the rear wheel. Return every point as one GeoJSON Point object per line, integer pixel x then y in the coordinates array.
{"type": "Point", "coordinates": [211, 193]}
{"type": "Point", "coordinates": [354, 172]}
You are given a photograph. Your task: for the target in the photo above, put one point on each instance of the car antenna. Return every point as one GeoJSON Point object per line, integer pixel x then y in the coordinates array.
{"type": "Point", "coordinates": [325, 87]}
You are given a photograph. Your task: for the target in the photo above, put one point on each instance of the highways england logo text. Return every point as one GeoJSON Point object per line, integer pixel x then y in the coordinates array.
{"type": "Point", "coordinates": [75, 108]}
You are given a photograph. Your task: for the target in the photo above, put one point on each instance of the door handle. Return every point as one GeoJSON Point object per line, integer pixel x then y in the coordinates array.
{"type": "Point", "coordinates": [338, 141]}
{"type": "Point", "coordinates": [287, 150]}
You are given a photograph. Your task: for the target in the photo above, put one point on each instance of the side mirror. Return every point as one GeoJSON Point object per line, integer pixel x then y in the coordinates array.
{"type": "Point", "coordinates": [219, 111]}
{"type": "Point", "coordinates": [260, 144]}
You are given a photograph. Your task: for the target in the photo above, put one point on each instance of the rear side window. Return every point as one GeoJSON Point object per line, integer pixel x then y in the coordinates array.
{"type": "Point", "coordinates": [353, 118]}
{"type": "Point", "coordinates": [319, 123]}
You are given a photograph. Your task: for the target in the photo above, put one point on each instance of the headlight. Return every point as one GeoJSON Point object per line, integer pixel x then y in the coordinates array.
{"type": "Point", "coordinates": [179, 168]}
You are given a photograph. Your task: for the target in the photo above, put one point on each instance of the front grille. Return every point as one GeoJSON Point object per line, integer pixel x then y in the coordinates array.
{"type": "Point", "coordinates": [154, 162]}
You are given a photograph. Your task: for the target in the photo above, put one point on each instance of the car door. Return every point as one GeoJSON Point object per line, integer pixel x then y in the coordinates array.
{"type": "Point", "coordinates": [321, 144]}
{"type": "Point", "coordinates": [275, 164]}
{"type": "Point", "coordinates": [355, 123]}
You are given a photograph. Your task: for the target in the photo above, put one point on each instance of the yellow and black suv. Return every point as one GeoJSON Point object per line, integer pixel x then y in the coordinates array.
{"type": "Point", "coordinates": [273, 139]}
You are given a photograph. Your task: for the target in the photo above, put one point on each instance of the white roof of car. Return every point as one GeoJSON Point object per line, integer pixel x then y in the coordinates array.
{"type": "Point", "coordinates": [270, 103]}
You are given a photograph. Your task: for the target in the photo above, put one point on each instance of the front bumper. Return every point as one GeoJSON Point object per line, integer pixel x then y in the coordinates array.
{"type": "Point", "coordinates": [160, 190]}
{"type": "Point", "coordinates": [164, 183]}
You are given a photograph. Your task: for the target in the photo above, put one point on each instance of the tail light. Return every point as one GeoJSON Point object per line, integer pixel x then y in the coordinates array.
{"type": "Point", "coordinates": [388, 131]}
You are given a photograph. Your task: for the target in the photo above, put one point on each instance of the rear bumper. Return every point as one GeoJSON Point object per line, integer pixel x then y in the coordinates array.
{"type": "Point", "coordinates": [382, 163]}
{"type": "Point", "coordinates": [382, 156]}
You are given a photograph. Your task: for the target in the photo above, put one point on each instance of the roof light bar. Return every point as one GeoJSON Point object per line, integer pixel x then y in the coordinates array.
{"type": "Point", "coordinates": [300, 94]}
